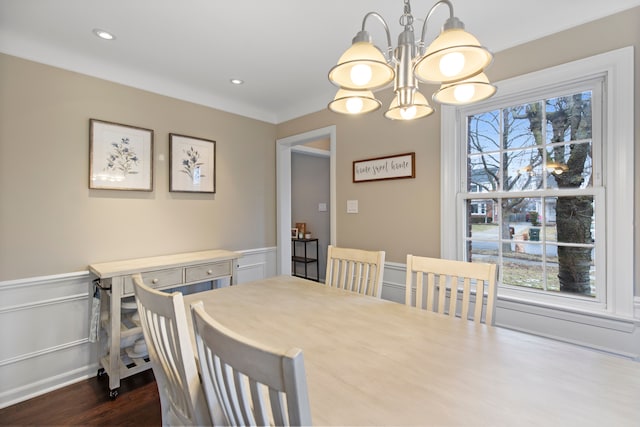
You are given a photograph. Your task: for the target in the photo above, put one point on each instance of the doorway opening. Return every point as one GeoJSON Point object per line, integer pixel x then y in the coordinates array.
{"type": "Point", "coordinates": [284, 148]}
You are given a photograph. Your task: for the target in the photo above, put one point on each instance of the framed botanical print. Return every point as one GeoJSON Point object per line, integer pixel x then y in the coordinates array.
{"type": "Point", "coordinates": [120, 156]}
{"type": "Point", "coordinates": [192, 164]}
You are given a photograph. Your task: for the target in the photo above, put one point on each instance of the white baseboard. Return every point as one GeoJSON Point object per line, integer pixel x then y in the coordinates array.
{"type": "Point", "coordinates": [48, 384]}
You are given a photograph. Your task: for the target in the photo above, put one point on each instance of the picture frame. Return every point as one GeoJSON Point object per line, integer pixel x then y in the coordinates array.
{"type": "Point", "coordinates": [120, 156]}
{"type": "Point", "coordinates": [192, 164]}
{"type": "Point", "coordinates": [294, 233]}
{"type": "Point", "coordinates": [398, 166]}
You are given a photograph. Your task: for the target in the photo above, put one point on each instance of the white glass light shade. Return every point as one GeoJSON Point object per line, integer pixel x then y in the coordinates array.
{"type": "Point", "coordinates": [454, 55]}
{"type": "Point", "coordinates": [420, 108]}
{"type": "Point", "coordinates": [473, 89]}
{"type": "Point", "coordinates": [354, 102]}
{"type": "Point", "coordinates": [362, 67]}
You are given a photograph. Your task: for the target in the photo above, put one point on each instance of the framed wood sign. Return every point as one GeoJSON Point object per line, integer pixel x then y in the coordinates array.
{"type": "Point", "coordinates": [398, 166]}
{"type": "Point", "coordinates": [120, 156]}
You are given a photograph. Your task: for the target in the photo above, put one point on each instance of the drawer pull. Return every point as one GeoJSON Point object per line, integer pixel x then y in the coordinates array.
{"type": "Point", "coordinates": [209, 272]}
{"type": "Point", "coordinates": [154, 281]}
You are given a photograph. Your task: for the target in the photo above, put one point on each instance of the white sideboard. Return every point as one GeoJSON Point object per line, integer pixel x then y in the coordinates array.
{"type": "Point", "coordinates": [122, 330]}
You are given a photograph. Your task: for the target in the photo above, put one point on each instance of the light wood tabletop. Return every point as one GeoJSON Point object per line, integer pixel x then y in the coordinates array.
{"type": "Point", "coordinates": [376, 362]}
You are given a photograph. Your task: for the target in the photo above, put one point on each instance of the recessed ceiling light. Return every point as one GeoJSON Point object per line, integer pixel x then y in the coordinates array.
{"type": "Point", "coordinates": [237, 81]}
{"type": "Point", "coordinates": [106, 35]}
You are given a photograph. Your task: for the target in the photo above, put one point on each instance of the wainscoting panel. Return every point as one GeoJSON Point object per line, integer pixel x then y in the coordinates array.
{"type": "Point", "coordinates": [393, 282]}
{"type": "Point", "coordinates": [44, 325]}
{"type": "Point", "coordinates": [599, 332]}
{"type": "Point", "coordinates": [44, 328]}
{"type": "Point", "coordinates": [256, 264]}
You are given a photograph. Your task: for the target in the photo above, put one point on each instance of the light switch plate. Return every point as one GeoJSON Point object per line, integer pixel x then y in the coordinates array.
{"type": "Point", "coordinates": [322, 207]}
{"type": "Point", "coordinates": [352, 206]}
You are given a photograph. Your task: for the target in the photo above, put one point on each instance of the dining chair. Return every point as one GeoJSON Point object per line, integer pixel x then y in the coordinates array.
{"type": "Point", "coordinates": [254, 384]}
{"type": "Point", "coordinates": [355, 270]}
{"type": "Point", "coordinates": [458, 277]}
{"type": "Point", "coordinates": [166, 332]}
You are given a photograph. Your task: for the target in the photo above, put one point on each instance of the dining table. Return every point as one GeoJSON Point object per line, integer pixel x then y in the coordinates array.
{"type": "Point", "coordinates": [374, 362]}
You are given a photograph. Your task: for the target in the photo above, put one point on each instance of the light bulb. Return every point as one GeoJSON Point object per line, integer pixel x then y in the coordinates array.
{"type": "Point", "coordinates": [463, 93]}
{"type": "Point", "coordinates": [451, 64]}
{"type": "Point", "coordinates": [354, 105]}
{"type": "Point", "coordinates": [408, 113]}
{"type": "Point", "coordinates": [361, 74]}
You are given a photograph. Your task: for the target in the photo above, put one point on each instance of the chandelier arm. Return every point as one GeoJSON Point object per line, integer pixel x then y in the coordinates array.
{"type": "Point", "coordinates": [389, 53]}
{"type": "Point", "coordinates": [421, 43]}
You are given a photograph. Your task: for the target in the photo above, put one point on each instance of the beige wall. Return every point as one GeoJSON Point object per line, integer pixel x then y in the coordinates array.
{"type": "Point", "coordinates": [403, 216]}
{"type": "Point", "coordinates": [399, 216]}
{"type": "Point", "coordinates": [51, 223]}
{"type": "Point", "coordinates": [320, 144]}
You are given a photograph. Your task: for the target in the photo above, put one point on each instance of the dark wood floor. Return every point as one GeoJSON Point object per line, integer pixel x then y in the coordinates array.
{"type": "Point", "coordinates": [87, 403]}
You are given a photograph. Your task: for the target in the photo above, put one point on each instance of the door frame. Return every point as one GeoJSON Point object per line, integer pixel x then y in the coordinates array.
{"type": "Point", "coordinates": [283, 190]}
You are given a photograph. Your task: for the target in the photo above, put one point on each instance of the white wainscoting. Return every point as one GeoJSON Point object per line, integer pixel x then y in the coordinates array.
{"type": "Point", "coordinates": [256, 264]}
{"type": "Point", "coordinates": [44, 328]}
{"type": "Point", "coordinates": [44, 325]}
{"type": "Point", "coordinates": [600, 332]}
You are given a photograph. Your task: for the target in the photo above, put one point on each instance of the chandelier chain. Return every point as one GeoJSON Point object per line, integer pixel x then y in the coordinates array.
{"type": "Point", "coordinates": [406, 20]}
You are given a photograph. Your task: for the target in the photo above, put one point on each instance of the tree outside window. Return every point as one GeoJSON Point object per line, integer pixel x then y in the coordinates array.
{"type": "Point", "coordinates": [530, 168]}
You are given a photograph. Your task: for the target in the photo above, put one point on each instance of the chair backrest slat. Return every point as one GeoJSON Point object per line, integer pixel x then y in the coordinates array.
{"type": "Point", "coordinates": [255, 384]}
{"type": "Point", "coordinates": [164, 325]}
{"type": "Point", "coordinates": [448, 275]}
{"type": "Point", "coordinates": [355, 270]}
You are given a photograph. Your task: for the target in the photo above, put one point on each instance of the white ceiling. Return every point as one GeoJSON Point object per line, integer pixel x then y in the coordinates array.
{"type": "Point", "coordinates": [282, 49]}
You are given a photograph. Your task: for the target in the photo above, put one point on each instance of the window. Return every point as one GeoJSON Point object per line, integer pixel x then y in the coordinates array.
{"type": "Point", "coordinates": [534, 161]}
{"type": "Point", "coordinates": [538, 176]}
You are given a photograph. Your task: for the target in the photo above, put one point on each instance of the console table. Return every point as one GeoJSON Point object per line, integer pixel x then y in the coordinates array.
{"type": "Point", "coordinates": [161, 272]}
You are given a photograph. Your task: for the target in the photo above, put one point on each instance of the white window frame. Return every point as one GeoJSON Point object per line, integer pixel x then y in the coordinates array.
{"type": "Point", "coordinates": [617, 174]}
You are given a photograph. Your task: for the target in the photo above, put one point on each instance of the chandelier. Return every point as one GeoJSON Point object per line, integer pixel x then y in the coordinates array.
{"type": "Point", "coordinates": [455, 60]}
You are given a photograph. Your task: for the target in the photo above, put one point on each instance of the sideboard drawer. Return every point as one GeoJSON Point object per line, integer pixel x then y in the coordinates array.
{"type": "Point", "coordinates": [156, 279]}
{"type": "Point", "coordinates": [206, 272]}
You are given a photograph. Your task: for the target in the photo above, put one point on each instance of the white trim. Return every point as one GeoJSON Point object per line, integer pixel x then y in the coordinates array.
{"type": "Point", "coordinates": [617, 67]}
{"type": "Point", "coordinates": [283, 182]}
{"type": "Point", "coordinates": [35, 281]}
{"type": "Point", "coordinates": [257, 251]}
{"type": "Point", "coordinates": [449, 184]}
{"type": "Point", "coordinates": [43, 303]}
{"type": "Point", "coordinates": [310, 151]}
{"type": "Point", "coordinates": [46, 385]}
{"type": "Point", "coordinates": [48, 350]}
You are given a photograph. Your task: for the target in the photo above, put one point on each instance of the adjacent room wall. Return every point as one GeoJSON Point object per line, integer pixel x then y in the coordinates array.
{"type": "Point", "coordinates": [309, 188]}
{"type": "Point", "coordinates": [52, 223]}
{"type": "Point", "coordinates": [403, 216]}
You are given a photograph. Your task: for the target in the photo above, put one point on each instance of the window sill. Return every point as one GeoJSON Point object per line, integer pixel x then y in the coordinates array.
{"type": "Point", "coordinates": [571, 314]}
